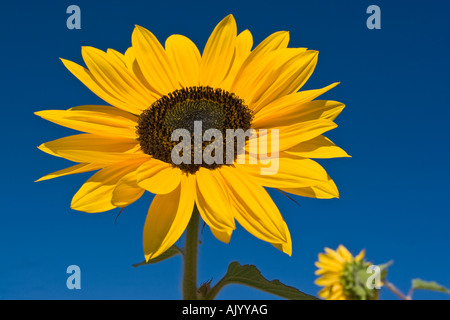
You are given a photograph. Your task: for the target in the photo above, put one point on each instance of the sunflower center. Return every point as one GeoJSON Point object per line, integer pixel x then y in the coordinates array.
{"type": "Point", "coordinates": [185, 109]}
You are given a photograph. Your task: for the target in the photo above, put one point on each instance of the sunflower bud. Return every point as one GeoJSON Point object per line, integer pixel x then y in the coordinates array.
{"type": "Point", "coordinates": [345, 277]}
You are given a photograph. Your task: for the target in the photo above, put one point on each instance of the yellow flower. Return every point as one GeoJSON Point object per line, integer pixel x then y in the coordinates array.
{"type": "Point", "coordinates": [153, 90]}
{"type": "Point", "coordinates": [343, 276]}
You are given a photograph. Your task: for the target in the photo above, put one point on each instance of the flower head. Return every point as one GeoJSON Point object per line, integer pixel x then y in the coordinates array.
{"type": "Point", "coordinates": [343, 276]}
{"type": "Point", "coordinates": [158, 94]}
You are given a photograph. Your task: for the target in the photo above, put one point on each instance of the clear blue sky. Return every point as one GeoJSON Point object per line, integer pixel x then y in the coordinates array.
{"type": "Point", "coordinates": [394, 190]}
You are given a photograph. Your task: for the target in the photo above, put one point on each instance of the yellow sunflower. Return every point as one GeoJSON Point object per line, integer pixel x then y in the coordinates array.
{"type": "Point", "coordinates": [153, 89]}
{"type": "Point", "coordinates": [343, 276]}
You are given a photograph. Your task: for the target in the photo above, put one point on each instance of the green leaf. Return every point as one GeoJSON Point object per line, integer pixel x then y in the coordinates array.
{"type": "Point", "coordinates": [419, 284]}
{"type": "Point", "coordinates": [171, 252]}
{"type": "Point", "coordinates": [250, 276]}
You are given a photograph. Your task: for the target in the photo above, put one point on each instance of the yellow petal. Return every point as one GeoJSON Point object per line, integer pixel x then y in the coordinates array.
{"type": "Point", "coordinates": [100, 120]}
{"type": "Point", "coordinates": [289, 105]}
{"type": "Point", "coordinates": [285, 247]}
{"type": "Point", "coordinates": [117, 57]}
{"type": "Point", "coordinates": [218, 53]}
{"type": "Point", "coordinates": [324, 293]}
{"type": "Point", "coordinates": [290, 77]}
{"type": "Point", "coordinates": [92, 148]}
{"type": "Point", "coordinates": [318, 109]}
{"type": "Point", "coordinates": [158, 177]}
{"type": "Point", "coordinates": [90, 142]}
{"type": "Point", "coordinates": [332, 292]}
{"type": "Point", "coordinates": [291, 173]}
{"type": "Point", "coordinates": [154, 62]}
{"type": "Point", "coordinates": [133, 66]}
{"type": "Point", "coordinates": [325, 270]}
{"type": "Point", "coordinates": [294, 134]}
{"type": "Point", "coordinates": [277, 40]}
{"type": "Point", "coordinates": [337, 295]}
{"type": "Point", "coordinates": [289, 136]}
{"type": "Point", "coordinates": [324, 190]}
{"type": "Point", "coordinates": [96, 194]}
{"type": "Point", "coordinates": [130, 58]}
{"type": "Point", "coordinates": [360, 256]}
{"type": "Point", "coordinates": [327, 280]}
{"type": "Point", "coordinates": [127, 191]}
{"type": "Point", "coordinates": [330, 261]}
{"type": "Point", "coordinates": [213, 203]}
{"type": "Point", "coordinates": [244, 43]}
{"type": "Point", "coordinates": [78, 168]}
{"type": "Point", "coordinates": [185, 56]}
{"type": "Point", "coordinates": [344, 253]}
{"type": "Point", "coordinates": [319, 148]}
{"type": "Point", "coordinates": [168, 217]}
{"type": "Point", "coordinates": [293, 100]}
{"type": "Point", "coordinates": [263, 72]}
{"type": "Point", "coordinates": [224, 236]}
{"type": "Point", "coordinates": [86, 77]}
{"type": "Point", "coordinates": [254, 209]}
{"type": "Point", "coordinates": [116, 79]}
{"type": "Point", "coordinates": [336, 255]}
{"type": "Point", "coordinates": [329, 267]}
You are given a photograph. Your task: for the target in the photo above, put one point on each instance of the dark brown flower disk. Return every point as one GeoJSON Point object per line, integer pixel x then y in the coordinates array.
{"type": "Point", "coordinates": [215, 108]}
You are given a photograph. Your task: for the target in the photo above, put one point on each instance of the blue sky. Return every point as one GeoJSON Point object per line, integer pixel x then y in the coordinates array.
{"type": "Point", "coordinates": [394, 190]}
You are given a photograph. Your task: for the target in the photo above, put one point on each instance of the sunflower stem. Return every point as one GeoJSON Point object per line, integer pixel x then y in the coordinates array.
{"type": "Point", "coordinates": [397, 292]}
{"type": "Point", "coordinates": [190, 258]}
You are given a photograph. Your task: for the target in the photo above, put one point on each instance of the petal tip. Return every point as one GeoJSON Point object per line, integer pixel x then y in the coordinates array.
{"type": "Point", "coordinates": [138, 28]}
{"type": "Point", "coordinates": [86, 49]}
{"type": "Point", "coordinates": [230, 16]}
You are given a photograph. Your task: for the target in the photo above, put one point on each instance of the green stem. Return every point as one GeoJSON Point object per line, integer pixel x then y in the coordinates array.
{"type": "Point", "coordinates": [216, 289]}
{"type": "Point", "coordinates": [190, 258]}
{"type": "Point", "coordinates": [394, 289]}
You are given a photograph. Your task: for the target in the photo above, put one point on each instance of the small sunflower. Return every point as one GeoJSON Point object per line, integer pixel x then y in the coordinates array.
{"type": "Point", "coordinates": [343, 276]}
{"type": "Point", "coordinates": [153, 89]}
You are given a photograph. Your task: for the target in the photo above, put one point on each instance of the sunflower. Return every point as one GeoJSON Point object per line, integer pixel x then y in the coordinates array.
{"type": "Point", "coordinates": [343, 276]}
{"type": "Point", "coordinates": [151, 90]}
